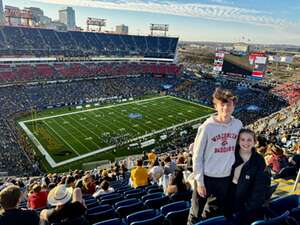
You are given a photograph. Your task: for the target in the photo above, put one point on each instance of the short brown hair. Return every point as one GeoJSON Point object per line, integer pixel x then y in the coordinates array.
{"type": "Point", "coordinates": [224, 95]}
{"type": "Point", "coordinates": [9, 197]}
{"type": "Point", "coordinates": [104, 185]}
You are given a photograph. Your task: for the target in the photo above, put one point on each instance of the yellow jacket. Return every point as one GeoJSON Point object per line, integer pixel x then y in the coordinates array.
{"type": "Point", "coordinates": [139, 176]}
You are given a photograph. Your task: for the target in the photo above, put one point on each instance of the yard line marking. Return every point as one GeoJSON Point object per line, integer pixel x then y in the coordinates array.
{"type": "Point", "coordinates": [81, 131]}
{"type": "Point", "coordinates": [71, 135]}
{"type": "Point", "coordinates": [60, 137]}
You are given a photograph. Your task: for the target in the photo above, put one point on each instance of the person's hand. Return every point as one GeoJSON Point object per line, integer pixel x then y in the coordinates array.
{"type": "Point", "coordinates": [201, 191]}
{"type": "Point", "coordinates": [292, 161]}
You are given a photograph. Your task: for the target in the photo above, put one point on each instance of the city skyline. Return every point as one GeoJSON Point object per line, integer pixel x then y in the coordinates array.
{"type": "Point", "coordinates": [253, 21]}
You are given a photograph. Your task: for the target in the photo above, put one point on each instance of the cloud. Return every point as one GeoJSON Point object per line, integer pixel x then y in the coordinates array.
{"type": "Point", "coordinates": [198, 10]}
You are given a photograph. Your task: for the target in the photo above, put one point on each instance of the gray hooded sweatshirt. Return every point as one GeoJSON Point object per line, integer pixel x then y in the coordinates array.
{"type": "Point", "coordinates": [214, 146]}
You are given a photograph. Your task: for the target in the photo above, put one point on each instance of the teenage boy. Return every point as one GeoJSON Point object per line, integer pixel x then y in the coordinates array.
{"type": "Point", "coordinates": [11, 214]}
{"type": "Point", "coordinates": [213, 157]}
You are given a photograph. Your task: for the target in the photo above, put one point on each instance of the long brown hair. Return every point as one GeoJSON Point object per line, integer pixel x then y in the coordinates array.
{"type": "Point", "coordinates": [247, 131]}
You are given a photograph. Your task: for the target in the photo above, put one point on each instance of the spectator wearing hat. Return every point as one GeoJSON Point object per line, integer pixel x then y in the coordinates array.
{"type": "Point", "coordinates": [11, 215]}
{"type": "Point", "coordinates": [68, 205]}
{"type": "Point", "coordinates": [38, 198]}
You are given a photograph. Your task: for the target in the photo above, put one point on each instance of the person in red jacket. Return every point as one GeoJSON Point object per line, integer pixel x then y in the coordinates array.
{"type": "Point", "coordinates": [38, 198]}
{"type": "Point", "coordinates": [277, 160]}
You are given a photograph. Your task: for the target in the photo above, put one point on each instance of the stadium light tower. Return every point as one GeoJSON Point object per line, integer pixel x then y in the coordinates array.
{"type": "Point", "coordinates": [159, 27]}
{"type": "Point", "coordinates": [95, 22]}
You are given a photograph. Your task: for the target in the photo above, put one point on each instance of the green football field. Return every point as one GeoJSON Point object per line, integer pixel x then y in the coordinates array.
{"type": "Point", "coordinates": [67, 137]}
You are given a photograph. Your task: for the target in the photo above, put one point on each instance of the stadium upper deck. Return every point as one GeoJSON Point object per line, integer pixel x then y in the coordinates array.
{"type": "Point", "coordinates": [24, 41]}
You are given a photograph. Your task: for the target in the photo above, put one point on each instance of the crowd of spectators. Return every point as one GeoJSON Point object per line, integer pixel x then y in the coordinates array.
{"type": "Point", "coordinates": [60, 197]}
{"type": "Point", "coordinates": [20, 41]}
{"type": "Point", "coordinates": [279, 135]}
{"type": "Point", "coordinates": [12, 73]}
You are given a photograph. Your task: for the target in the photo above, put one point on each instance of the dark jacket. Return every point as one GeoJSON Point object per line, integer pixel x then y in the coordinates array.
{"type": "Point", "coordinates": [19, 217]}
{"type": "Point", "coordinates": [253, 185]}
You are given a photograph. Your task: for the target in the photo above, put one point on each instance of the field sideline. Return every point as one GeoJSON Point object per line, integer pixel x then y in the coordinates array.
{"type": "Point", "coordinates": [68, 137]}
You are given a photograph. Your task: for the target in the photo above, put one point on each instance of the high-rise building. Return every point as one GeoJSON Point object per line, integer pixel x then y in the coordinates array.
{"type": "Point", "coordinates": [37, 13]}
{"type": "Point", "coordinates": [1, 13]}
{"type": "Point", "coordinates": [122, 29]}
{"type": "Point", "coordinates": [67, 16]}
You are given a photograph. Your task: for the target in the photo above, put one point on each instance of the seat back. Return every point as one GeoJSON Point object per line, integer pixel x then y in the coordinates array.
{"type": "Point", "coordinates": [98, 208]}
{"type": "Point", "coordinates": [116, 221]}
{"type": "Point", "coordinates": [295, 213]}
{"type": "Point", "coordinates": [158, 220]}
{"type": "Point", "coordinates": [92, 204]}
{"type": "Point", "coordinates": [156, 203]}
{"type": "Point", "coordinates": [111, 201]}
{"type": "Point", "coordinates": [135, 195]}
{"type": "Point", "coordinates": [126, 202]}
{"type": "Point", "coordinates": [178, 217]}
{"type": "Point", "coordinates": [179, 196]}
{"type": "Point", "coordinates": [175, 206]}
{"type": "Point", "coordinates": [101, 216]}
{"type": "Point", "coordinates": [218, 220]}
{"type": "Point", "coordinates": [141, 215]}
{"type": "Point", "coordinates": [155, 190]}
{"type": "Point", "coordinates": [126, 210]}
{"type": "Point", "coordinates": [280, 205]}
{"type": "Point", "coordinates": [108, 196]}
{"type": "Point", "coordinates": [279, 220]}
{"type": "Point", "coordinates": [152, 196]}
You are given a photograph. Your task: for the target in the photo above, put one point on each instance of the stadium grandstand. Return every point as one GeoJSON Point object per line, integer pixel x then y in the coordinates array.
{"type": "Point", "coordinates": [83, 111]}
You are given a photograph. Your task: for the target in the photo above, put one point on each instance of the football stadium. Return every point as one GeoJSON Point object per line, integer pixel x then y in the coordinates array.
{"type": "Point", "coordinates": [104, 126]}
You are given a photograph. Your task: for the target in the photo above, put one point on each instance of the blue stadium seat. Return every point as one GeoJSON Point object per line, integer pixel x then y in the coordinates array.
{"type": "Point", "coordinates": [125, 210]}
{"type": "Point", "coordinates": [132, 191]}
{"type": "Point", "coordinates": [90, 200]}
{"type": "Point", "coordinates": [123, 189]}
{"type": "Point", "coordinates": [109, 195]}
{"type": "Point", "coordinates": [280, 220]}
{"type": "Point", "coordinates": [154, 190]}
{"type": "Point", "coordinates": [295, 213]}
{"type": "Point", "coordinates": [280, 205]}
{"type": "Point", "coordinates": [111, 201]}
{"type": "Point", "coordinates": [175, 206]}
{"type": "Point", "coordinates": [101, 216]}
{"type": "Point", "coordinates": [141, 215]}
{"type": "Point", "coordinates": [116, 221]}
{"type": "Point", "coordinates": [181, 196]}
{"type": "Point", "coordinates": [158, 220]}
{"type": "Point", "coordinates": [156, 203]}
{"type": "Point", "coordinates": [92, 204]}
{"type": "Point", "coordinates": [178, 217]}
{"type": "Point", "coordinates": [218, 220]}
{"type": "Point", "coordinates": [126, 202]}
{"type": "Point", "coordinates": [136, 195]}
{"type": "Point", "coordinates": [151, 186]}
{"type": "Point", "coordinates": [151, 196]}
{"type": "Point", "coordinates": [98, 208]}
